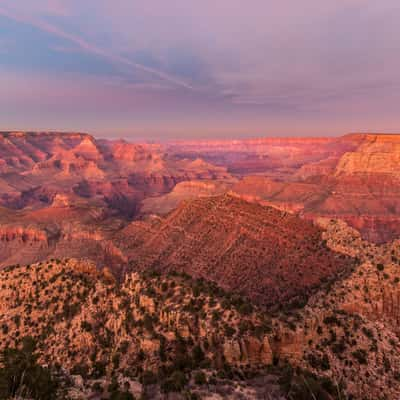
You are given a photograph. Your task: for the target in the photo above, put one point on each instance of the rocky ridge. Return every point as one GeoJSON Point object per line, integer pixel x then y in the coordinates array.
{"type": "Point", "coordinates": [350, 331]}
{"type": "Point", "coordinates": [215, 237]}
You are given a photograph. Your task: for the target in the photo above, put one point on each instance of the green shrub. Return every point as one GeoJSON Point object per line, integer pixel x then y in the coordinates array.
{"type": "Point", "coordinates": [331, 320]}
{"type": "Point", "coordinates": [229, 331]}
{"type": "Point", "coordinates": [198, 354]}
{"type": "Point", "coordinates": [118, 395]}
{"type": "Point", "coordinates": [318, 362]}
{"type": "Point", "coordinates": [148, 323]}
{"type": "Point", "coordinates": [80, 369]}
{"type": "Point", "coordinates": [148, 378]}
{"type": "Point", "coordinates": [86, 326]}
{"type": "Point", "coordinates": [360, 355]}
{"type": "Point", "coordinates": [99, 369]}
{"type": "Point", "coordinates": [245, 309]}
{"type": "Point", "coordinates": [21, 374]}
{"type": "Point", "coordinates": [97, 388]}
{"type": "Point", "coordinates": [174, 383]}
{"type": "Point", "coordinates": [200, 378]}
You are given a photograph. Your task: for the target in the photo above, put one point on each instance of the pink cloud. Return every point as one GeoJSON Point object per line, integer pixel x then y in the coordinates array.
{"type": "Point", "coordinates": [93, 49]}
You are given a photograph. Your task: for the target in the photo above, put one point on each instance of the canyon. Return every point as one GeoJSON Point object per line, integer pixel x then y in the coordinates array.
{"type": "Point", "coordinates": [355, 177]}
{"type": "Point", "coordinates": [274, 262]}
{"type": "Point", "coordinates": [57, 189]}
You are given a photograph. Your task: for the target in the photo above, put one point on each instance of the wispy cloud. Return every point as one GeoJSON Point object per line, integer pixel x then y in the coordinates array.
{"type": "Point", "coordinates": [93, 49]}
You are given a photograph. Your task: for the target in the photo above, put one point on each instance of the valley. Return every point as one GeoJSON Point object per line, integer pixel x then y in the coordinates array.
{"type": "Point", "coordinates": [274, 263]}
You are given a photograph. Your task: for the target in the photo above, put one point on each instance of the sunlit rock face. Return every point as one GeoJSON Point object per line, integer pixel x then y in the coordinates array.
{"type": "Point", "coordinates": [354, 177]}
{"type": "Point", "coordinates": [80, 192]}
{"type": "Point", "coordinates": [378, 154]}
{"type": "Point", "coordinates": [119, 173]}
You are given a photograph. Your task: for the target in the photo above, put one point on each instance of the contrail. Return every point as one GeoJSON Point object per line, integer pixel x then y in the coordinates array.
{"type": "Point", "coordinates": [90, 48]}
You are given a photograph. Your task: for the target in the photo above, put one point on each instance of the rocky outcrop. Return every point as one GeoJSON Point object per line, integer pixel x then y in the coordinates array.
{"type": "Point", "coordinates": [373, 292]}
{"type": "Point", "coordinates": [251, 351]}
{"type": "Point", "coordinates": [378, 154]}
{"type": "Point", "coordinates": [86, 322]}
{"type": "Point", "coordinates": [187, 190]}
{"type": "Point", "coordinates": [22, 243]}
{"type": "Point", "coordinates": [349, 331]}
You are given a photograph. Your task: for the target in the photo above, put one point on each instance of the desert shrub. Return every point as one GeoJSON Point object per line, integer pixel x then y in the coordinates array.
{"type": "Point", "coordinates": [245, 308]}
{"type": "Point", "coordinates": [174, 383]}
{"type": "Point", "coordinates": [196, 289]}
{"type": "Point", "coordinates": [4, 329]}
{"type": "Point", "coordinates": [338, 347]}
{"type": "Point", "coordinates": [386, 364]}
{"type": "Point", "coordinates": [99, 369]}
{"type": "Point", "coordinates": [22, 376]}
{"type": "Point", "coordinates": [360, 355]}
{"type": "Point", "coordinates": [304, 385]}
{"type": "Point", "coordinates": [396, 375]}
{"type": "Point", "coordinates": [80, 369]}
{"type": "Point", "coordinates": [141, 356]}
{"type": "Point", "coordinates": [148, 323]}
{"type": "Point", "coordinates": [318, 362]}
{"type": "Point", "coordinates": [200, 378]}
{"type": "Point", "coordinates": [229, 331]}
{"type": "Point", "coordinates": [86, 326]}
{"type": "Point", "coordinates": [198, 354]}
{"type": "Point", "coordinates": [148, 378]}
{"type": "Point", "coordinates": [97, 388]}
{"type": "Point", "coordinates": [331, 320]}
{"type": "Point", "coordinates": [118, 395]}
{"type": "Point", "coordinates": [306, 388]}
{"type": "Point", "coordinates": [70, 310]}
{"type": "Point", "coordinates": [17, 320]}
{"type": "Point", "coordinates": [245, 326]}
{"type": "Point", "coordinates": [368, 332]}
{"type": "Point", "coordinates": [183, 362]}
{"type": "Point", "coordinates": [116, 359]}
{"type": "Point", "coordinates": [216, 315]}
{"type": "Point", "coordinates": [380, 267]}
{"type": "Point", "coordinates": [123, 348]}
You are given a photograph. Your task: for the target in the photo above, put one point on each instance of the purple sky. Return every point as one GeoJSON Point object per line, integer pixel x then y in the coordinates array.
{"type": "Point", "coordinates": [157, 69]}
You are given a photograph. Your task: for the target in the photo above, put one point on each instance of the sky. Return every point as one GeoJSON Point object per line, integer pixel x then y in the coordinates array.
{"type": "Point", "coordinates": [179, 69]}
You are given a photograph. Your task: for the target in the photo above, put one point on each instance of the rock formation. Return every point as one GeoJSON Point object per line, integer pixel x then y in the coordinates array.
{"type": "Point", "coordinates": [267, 254]}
